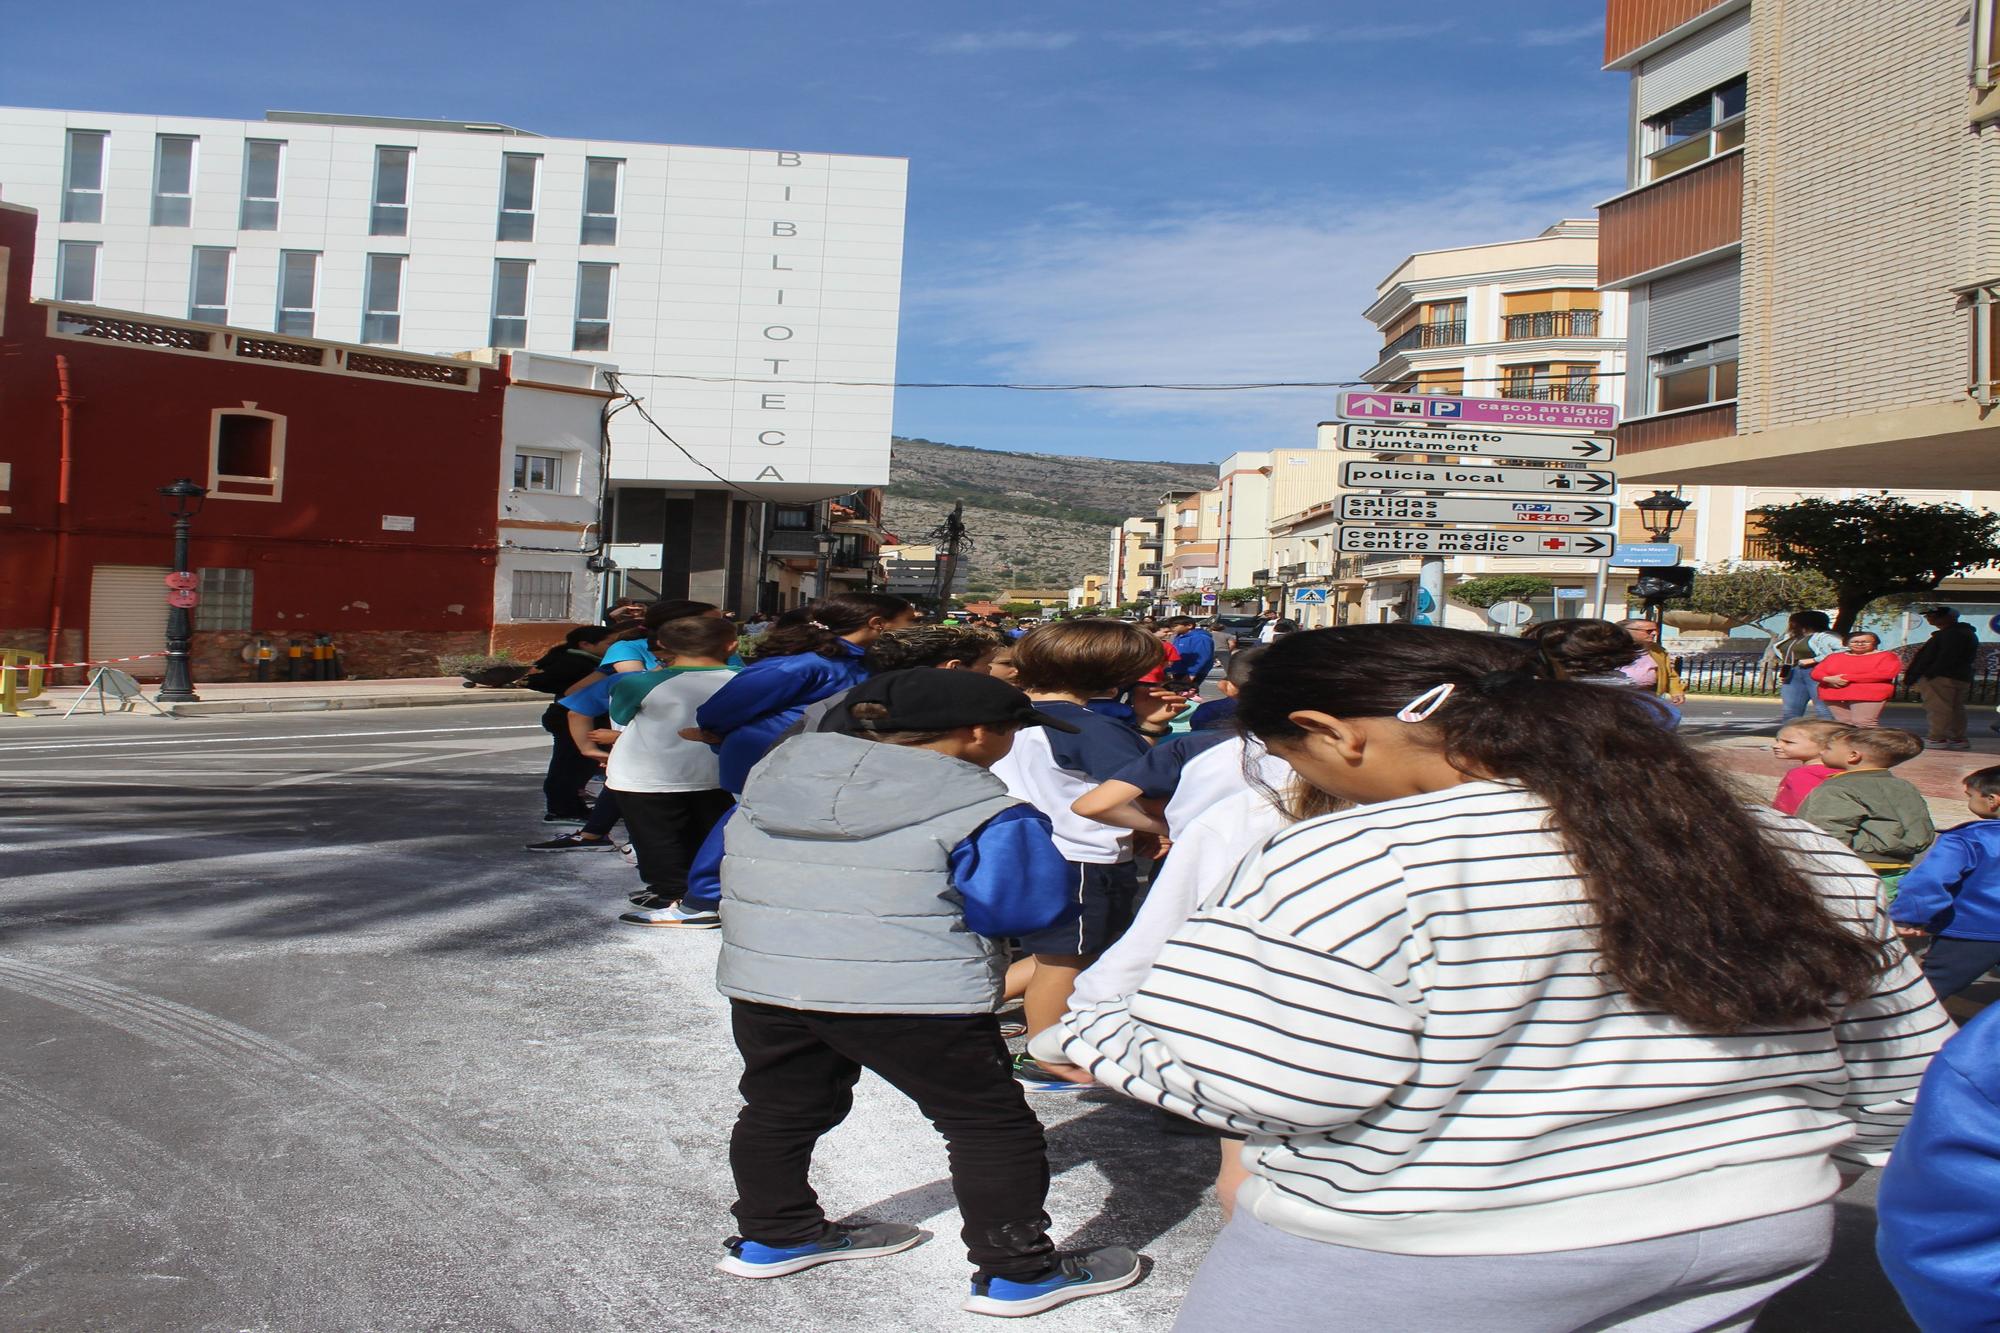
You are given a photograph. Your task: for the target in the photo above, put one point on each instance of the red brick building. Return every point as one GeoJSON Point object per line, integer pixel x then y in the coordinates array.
{"type": "Point", "coordinates": [351, 493]}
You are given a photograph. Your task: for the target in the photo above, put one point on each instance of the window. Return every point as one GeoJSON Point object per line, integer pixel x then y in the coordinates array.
{"type": "Point", "coordinates": [76, 271]}
{"type": "Point", "coordinates": [382, 304]}
{"type": "Point", "coordinates": [1694, 376]}
{"type": "Point", "coordinates": [1757, 543]}
{"type": "Point", "coordinates": [83, 177]}
{"type": "Point", "coordinates": [208, 285]}
{"type": "Point", "coordinates": [1445, 380]}
{"type": "Point", "coordinates": [173, 180]}
{"type": "Point", "coordinates": [1553, 383]}
{"type": "Point", "coordinates": [390, 215]}
{"type": "Point", "coordinates": [225, 599]}
{"type": "Point", "coordinates": [510, 302]}
{"type": "Point", "coordinates": [541, 594]}
{"type": "Point", "coordinates": [1550, 314]}
{"type": "Point", "coordinates": [792, 518]}
{"type": "Point", "coordinates": [298, 279]}
{"type": "Point", "coordinates": [261, 160]}
{"type": "Point", "coordinates": [246, 454]}
{"type": "Point", "coordinates": [517, 196]}
{"type": "Point", "coordinates": [593, 308]}
{"type": "Point", "coordinates": [600, 201]}
{"type": "Point", "coordinates": [537, 472]}
{"type": "Point", "coordinates": [1697, 129]}
{"type": "Point", "coordinates": [1985, 43]}
{"type": "Point", "coordinates": [1983, 303]}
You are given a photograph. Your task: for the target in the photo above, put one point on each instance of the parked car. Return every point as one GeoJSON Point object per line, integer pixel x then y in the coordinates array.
{"type": "Point", "coordinates": [1237, 631]}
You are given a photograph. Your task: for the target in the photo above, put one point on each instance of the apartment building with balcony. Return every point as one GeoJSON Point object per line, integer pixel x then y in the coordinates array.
{"type": "Point", "coordinates": [1810, 243]}
{"type": "Point", "coordinates": [727, 286]}
{"type": "Point", "coordinates": [1133, 571]}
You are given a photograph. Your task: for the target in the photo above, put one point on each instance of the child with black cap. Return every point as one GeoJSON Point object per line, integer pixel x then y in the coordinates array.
{"type": "Point", "coordinates": [867, 882]}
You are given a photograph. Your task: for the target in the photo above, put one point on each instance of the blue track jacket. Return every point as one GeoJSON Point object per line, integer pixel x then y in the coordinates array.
{"type": "Point", "coordinates": [1197, 650]}
{"type": "Point", "coordinates": [1955, 889]}
{"type": "Point", "coordinates": [757, 707]}
{"type": "Point", "coordinates": [1938, 1230]}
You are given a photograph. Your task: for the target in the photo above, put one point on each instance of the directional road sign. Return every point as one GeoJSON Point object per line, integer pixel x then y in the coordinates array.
{"type": "Point", "coordinates": [1550, 511]}
{"type": "Point", "coordinates": [1472, 541]}
{"type": "Point", "coordinates": [1477, 443]}
{"type": "Point", "coordinates": [1451, 477]}
{"type": "Point", "coordinates": [1646, 555]}
{"type": "Point", "coordinates": [1366, 405]}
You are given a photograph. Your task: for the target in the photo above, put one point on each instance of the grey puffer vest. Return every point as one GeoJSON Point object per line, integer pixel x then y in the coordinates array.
{"type": "Point", "coordinates": [836, 881]}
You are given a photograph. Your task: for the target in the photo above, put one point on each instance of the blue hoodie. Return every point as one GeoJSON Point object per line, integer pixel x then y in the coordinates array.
{"type": "Point", "coordinates": [1938, 1233]}
{"type": "Point", "coordinates": [1197, 649]}
{"type": "Point", "coordinates": [1955, 889]}
{"type": "Point", "coordinates": [757, 707]}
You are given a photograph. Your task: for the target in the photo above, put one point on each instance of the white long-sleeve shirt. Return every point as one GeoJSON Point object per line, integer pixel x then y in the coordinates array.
{"type": "Point", "coordinates": [1401, 1005]}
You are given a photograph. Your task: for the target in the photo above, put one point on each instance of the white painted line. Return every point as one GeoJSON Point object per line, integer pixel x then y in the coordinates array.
{"type": "Point", "coordinates": [255, 740]}
{"type": "Point", "coordinates": [300, 779]}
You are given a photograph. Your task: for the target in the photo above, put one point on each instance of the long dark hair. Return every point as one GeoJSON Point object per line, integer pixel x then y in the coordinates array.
{"type": "Point", "coordinates": [1699, 911]}
{"type": "Point", "coordinates": [818, 627]}
{"type": "Point", "coordinates": [1583, 647]}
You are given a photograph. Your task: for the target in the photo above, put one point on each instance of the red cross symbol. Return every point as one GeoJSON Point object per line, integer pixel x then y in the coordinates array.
{"type": "Point", "coordinates": [1555, 544]}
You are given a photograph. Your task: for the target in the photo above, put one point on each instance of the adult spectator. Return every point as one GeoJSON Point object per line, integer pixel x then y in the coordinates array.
{"type": "Point", "coordinates": [1808, 637]}
{"type": "Point", "coordinates": [1267, 633]}
{"type": "Point", "coordinates": [1196, 647]}
{"type": "Point", "coordinates": [1942, 674]}
{"type": "Point", "coordinates": [1857, 681]}
{"type": "Point", "coordinates": [1596, 652]}
{"type": "Point", "coordinates": [1653, 668]}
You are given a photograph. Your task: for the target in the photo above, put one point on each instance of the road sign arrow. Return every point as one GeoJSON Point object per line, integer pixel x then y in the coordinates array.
{"type": "Point", "coordinates": [1594, 482]}
{"type": "Point", "coordinates": [1587, 449]}
{"type": "Point", "coordinates": [1588, 545]}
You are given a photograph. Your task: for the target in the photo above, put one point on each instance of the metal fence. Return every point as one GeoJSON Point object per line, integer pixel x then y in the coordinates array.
{"type": "Point", "coordinates": [1746, 674]}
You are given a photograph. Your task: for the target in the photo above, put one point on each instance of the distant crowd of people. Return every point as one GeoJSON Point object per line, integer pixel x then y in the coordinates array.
{"type": "Point", "coordinates": [1506, 1011]}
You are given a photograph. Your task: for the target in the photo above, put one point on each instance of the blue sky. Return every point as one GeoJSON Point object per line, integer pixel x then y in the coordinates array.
{"type": "Point", "coordinates": [1103, 192]}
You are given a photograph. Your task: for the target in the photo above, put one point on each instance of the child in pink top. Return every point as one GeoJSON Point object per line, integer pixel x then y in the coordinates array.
{"type": "Point", "coordinates": [1805, 742]}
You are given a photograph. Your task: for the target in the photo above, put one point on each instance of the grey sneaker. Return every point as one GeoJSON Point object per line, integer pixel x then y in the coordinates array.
{"type": "Point", "coordinates": [1091, 1273]}
{"type": "Point", "coordinates": [675, 915]}
{"type": "Point", "coordinates": [871, 1240]}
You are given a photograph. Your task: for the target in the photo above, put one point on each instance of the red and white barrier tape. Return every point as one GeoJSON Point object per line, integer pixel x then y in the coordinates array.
{"type": "Point", "coordinates": [64, 666]}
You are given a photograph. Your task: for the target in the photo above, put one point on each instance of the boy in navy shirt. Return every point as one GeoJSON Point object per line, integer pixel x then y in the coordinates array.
{"type": "Point", "coordinates": [1953, 893]}
{"type": "Point", "coordinates": [1196, 647]}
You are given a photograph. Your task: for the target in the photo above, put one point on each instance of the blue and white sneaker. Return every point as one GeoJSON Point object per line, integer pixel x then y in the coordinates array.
{"type": "Point", "coordinates": [1091, 1273]}
{"type": "Point", "coordinates": [1034, 1078]}
{"type": "Point", "coordinates": [872, 1240]}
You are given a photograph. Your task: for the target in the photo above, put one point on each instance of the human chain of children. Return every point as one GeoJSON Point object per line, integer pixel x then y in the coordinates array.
{"type": "Point", "coordinates": [1484, 983]}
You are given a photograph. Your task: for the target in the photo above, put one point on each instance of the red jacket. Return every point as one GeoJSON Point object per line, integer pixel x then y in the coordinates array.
{"type": "Point", "coordinates": [1871, 677]}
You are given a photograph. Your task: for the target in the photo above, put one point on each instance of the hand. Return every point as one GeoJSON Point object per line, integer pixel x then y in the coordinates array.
{"type": "Point", "coordinates": [1156, 706]}
{"type": "Point", "coordinates": [699, 736]}
{"type": "Point", "coordinates": [1838, 682]}
{"type": "Point", "coordinates": [1911, 932]}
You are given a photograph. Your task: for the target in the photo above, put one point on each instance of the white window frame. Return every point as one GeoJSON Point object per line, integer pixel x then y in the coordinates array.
{"type": "Point", "coordinates": [538, 472]}
{"type": "Point", "coordinates": [218, 480]}
{"type": "Point", "coordinates": [548, 602]}
{"type": "Point", "coordinates": [209, 312]}
{"type": "Point", "coordinates": [382, 324]}
{"type": "Point", "coordinates": [392, 217]}
{"type": "Point", "coordinates": [311, 311]}
{"type": "Point", "coordinates": [68, 254]}
{"type": "Point", "coordinates": [507, 162]}
{"type": "Point", "coordinates": [73, 194]}
{"type": "Point", "coordinates": [1983, 378]}
{"type": "Point", "coordinates": [174, 208]}
{"type": "Point", "coordinates": [583, 323]}
{"type": "Point", "coordinates": [246, 199]}
{"type": "Point", "coordinates": [494, 334]}
{"type": "Point", "coordinates": [607, 223]}
{"type": "Point", "coordinates": [1985, 44]}
{"type": "Point", "coordinates": [1656, 145]}
{"type": "Point", "coordinates": [1712, 356]}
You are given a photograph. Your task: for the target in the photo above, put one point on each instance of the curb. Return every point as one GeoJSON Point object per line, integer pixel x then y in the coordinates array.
{"type": "Point", "coordinates": [340, 703]}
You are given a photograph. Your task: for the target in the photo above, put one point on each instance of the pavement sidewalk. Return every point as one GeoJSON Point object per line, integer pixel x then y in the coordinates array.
{"type": "Point", "coordinates": [291, 696]}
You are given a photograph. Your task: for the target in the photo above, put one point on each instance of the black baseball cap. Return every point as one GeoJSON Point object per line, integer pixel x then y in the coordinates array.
{"type": "Point", "coordinates": [934, 699]}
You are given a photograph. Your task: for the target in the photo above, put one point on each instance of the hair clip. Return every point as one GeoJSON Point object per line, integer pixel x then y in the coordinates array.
{"type": "Point", "coordinates": [1420, 708]}
{"type": "Point", "coordinates": [816, 624]}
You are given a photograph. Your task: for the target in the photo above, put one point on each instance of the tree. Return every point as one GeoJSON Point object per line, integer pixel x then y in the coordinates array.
{"type": "Point", "coordinates": [1874, 545]}
{"type": "Point", "coordinates": [1750, 594]}
{"type": "Point", "coordinates": [1482, 593]}
{"type": "Point", "coordinates": [1187, 601]}
{"type": "Point", "coordinates": [1237, 596]}
{"type": "Point", "coordinates": [1019, 609]}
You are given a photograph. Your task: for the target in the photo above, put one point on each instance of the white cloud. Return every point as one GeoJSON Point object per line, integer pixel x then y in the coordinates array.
{"type": "Point", "coordinates": [1270, 293]}
{"type": "Point", "coordinates": [1244, 39]}
{"type": "Point", "coordinates": [1563, 36]}
{"type": "Point", "coordinates": [980, 43]}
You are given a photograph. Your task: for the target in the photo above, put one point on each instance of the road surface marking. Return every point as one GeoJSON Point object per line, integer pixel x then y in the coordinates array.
{"type": "Point", "coordinates": [258, 740]}
{"type": "Point", "coordinates": [300, 779]}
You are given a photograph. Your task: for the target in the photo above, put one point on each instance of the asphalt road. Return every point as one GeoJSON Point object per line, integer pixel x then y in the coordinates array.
{"type": "Point", "coordinates": [299, 1038]}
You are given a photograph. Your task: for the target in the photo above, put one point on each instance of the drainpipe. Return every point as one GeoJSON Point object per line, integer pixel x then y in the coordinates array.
{"type": "Point", "coordinates": [64, 402]}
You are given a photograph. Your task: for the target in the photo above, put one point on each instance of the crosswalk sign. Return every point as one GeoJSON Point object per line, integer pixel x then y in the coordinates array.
{"type": "Point", "coordinates": [1309, 596]}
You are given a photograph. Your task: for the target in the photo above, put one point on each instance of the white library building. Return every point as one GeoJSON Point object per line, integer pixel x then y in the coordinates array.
{"type": "Point", "coordinates": [727, 286]}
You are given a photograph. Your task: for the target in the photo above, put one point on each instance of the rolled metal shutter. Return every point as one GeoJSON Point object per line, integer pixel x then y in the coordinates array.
{"type": "Point", "coordinates": [1697, 306]}
{"type": "Point", "coordinates": [1707, 60]}
{"type": "Point", "coordinates": [128, 615]}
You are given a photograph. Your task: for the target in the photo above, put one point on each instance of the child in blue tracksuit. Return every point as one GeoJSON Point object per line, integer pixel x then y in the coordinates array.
{"type": "Point", "coordinates": [810, 653]}
{"type": "Point", "coordinates": [1196, 647]}
{"type": "Point", "coordinates": [1953, 893]}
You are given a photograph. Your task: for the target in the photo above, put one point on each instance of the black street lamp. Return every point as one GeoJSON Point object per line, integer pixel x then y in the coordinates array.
{"type": "Point", "coordinates": [824, 539]}
{"type": "Point", "coordinates": [183, 499]}
{"type": "Point", "coordinates": [1662, 512]}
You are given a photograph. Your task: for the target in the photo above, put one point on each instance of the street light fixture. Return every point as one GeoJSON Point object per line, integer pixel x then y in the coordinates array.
{"type": "Point", "coordinates": [824, 540]}
{"type": "Point", "coordinates": [183, 501]}
{"type": "Point", "coordinates": [1662, 512]}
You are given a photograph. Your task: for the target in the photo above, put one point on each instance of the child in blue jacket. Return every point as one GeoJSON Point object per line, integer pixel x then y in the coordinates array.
{"type": "Point", "coordinates": [1197, 649]}
{"type": "Point", "coordinates": [809, 654]}
{"type": "Point", "coordinates": [1953, 893]}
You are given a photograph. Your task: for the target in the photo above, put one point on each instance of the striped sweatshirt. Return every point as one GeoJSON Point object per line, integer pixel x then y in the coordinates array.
{"type": "Point", "coordinates": [1402, 1008]}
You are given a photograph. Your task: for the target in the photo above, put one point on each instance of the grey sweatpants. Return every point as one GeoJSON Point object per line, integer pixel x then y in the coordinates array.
{"type": "Point", "coordinates": [1259, 1279]}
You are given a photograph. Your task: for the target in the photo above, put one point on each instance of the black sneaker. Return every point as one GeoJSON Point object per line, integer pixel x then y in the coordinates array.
{"type": "Point", "coordinates": [562, 819]}
{"type": "Point", "coordinates": [1090, 1273]}
{"type": "Point", "coordinates": [647, 900]}
{"type": "Point", "coordinates": [574, 842]}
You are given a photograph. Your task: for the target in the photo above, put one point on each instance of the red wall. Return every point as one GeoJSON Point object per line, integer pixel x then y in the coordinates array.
{"type": "Point", "coordinates": [355, 449]}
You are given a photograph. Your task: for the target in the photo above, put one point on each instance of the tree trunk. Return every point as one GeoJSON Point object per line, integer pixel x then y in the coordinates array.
{"type": "Point", "coordinates": [1853, 601]}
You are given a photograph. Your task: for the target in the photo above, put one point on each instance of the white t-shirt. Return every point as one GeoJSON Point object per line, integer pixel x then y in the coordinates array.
{"type": "Point", "coordinates": [1217, 774]}
{"type": "Point", "coordinates": [650, 754]}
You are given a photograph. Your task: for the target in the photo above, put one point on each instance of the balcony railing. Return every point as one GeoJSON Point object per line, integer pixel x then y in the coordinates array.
{"type": "Point", "coordinates": [1570, 391]}
{"type": "Point", "coordinates": [1428, 335]}
{"type": "Point", "coordinates": [1150, 567]}
{"type": "Point", "coordinates": [1552, 324]}
{"type": "Point", "coordinates": [1759, 548]}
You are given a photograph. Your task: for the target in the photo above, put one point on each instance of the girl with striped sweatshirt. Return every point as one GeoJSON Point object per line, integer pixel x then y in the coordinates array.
{"type": "Point", "coordinates": [1551, 1032]}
